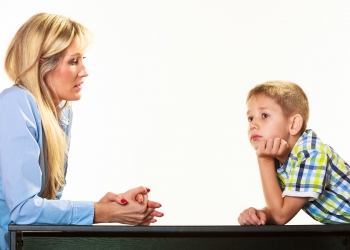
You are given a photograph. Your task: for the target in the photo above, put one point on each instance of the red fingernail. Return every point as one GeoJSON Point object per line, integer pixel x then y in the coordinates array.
{"type": "Point", "coordinates": [148, 189]}
{"type": "Point", "coordinates": [124, 201]}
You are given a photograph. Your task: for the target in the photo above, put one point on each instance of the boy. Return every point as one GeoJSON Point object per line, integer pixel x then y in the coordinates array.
{"type": "Point", "coordinates": [310, 174]}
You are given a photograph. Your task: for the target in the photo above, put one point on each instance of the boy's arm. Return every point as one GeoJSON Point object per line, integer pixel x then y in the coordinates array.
{"type": "Point", "coordinates": [278, 210]}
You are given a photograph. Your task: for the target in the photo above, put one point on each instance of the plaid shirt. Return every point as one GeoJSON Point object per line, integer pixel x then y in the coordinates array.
{"type": "Point", "coordinates": [313, 169]}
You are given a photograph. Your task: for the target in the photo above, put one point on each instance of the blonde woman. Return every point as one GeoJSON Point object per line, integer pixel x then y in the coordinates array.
{"type": "Point", "coordinates": [45, 63]}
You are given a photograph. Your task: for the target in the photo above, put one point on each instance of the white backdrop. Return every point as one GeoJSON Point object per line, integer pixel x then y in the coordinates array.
{"type": "Point", "coordinates": [164, 104]}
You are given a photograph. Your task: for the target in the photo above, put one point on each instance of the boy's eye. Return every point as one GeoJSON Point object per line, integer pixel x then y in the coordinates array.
{"type": "Point", "coordinates": [265, 115]}
{"type": "Point", "coordinates": [250, 119]}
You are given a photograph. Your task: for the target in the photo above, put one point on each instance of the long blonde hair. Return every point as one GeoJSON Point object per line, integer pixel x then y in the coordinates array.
{"type": "Point", "coordinates": [36, 50]}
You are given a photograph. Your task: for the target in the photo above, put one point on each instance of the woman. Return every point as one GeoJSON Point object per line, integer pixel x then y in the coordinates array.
{"type": "Point", "coordinates": [45, 62]}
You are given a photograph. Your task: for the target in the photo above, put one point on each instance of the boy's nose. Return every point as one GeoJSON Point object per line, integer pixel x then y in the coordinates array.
{"type": "Point", "coordinates": [253, 125]}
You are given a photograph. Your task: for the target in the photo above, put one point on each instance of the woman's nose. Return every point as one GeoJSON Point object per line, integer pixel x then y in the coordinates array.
{"type": "Point", "coordinates": [83, 73]}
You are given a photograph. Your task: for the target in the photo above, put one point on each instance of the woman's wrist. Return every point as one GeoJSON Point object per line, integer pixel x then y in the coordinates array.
{"type": "Point", "coordinates": [102, 212]}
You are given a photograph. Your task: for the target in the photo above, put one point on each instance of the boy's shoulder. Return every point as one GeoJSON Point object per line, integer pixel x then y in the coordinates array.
{"type": "Point", "coordinates": [309, 136]}
{"type": "Point", "coordinates": [311, 149]}
{"type": "Point", "coordinates": [309, 143]}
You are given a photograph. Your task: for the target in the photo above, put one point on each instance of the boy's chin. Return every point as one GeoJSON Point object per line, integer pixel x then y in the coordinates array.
{"type": "Point", "coordinates": [255, 146]}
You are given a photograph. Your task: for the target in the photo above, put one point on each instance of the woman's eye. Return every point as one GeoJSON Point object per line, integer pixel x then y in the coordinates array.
{"type": "Point", "coordinates": [250, 119]}
{"type": "Point", "coordinates": [265, 115]}
{"type": "Point", "coordinates": [74, 62]}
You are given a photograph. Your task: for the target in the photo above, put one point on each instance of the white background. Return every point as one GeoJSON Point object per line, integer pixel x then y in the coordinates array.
{"type": "Point", "coordinates": [164, 104]}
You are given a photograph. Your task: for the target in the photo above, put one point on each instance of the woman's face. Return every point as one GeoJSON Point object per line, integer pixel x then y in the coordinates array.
{"type": "Point", "coordinates": [65, 82]}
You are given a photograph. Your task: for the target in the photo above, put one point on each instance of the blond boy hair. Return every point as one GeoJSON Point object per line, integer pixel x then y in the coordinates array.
{"type": "Point", "coordinates": [288, 95]}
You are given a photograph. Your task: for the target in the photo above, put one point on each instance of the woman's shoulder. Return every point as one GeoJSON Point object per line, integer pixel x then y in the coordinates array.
{"type": "Point", "coordinates": [16, 94]}
{"type": "Point", "coordinates": [17, 100]}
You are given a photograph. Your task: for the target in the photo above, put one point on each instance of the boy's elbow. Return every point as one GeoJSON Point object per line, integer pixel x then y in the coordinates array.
{"type": "Point", "coordinates": [280, 222]}
{"type": "Point", "coordinates": [280, 219]}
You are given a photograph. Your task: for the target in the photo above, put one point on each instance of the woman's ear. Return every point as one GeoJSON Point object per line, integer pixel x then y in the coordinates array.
{"type": "Point", "coordinates": [296, 124]}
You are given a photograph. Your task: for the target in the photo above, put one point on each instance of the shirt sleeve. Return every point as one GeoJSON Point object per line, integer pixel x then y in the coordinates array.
{"type": "Point", "coordinates": [21, 176]}
{"type": "Point", "coordinates": [307, 175]}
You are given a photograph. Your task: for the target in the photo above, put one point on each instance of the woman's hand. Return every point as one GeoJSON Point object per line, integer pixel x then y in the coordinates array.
{"type": "Point", "coordinates": [252, 216]}
{"type": "Point", "coordinates": [151, 204]}
{"type": "Point", "coordinates": [135, 212]}
{"type": "Point", "coordinates": [112, 197]}
{"type": "Point", "coordinates": [139, 197]}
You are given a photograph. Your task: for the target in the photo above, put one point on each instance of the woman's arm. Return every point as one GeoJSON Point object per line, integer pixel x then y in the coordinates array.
{"type": "Point", "coordinates": [21, 176]}
{"type": "Point", "coordinates": [22, 182]}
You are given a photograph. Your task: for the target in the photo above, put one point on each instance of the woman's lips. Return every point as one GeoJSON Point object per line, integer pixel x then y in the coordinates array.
{"type": "Point", "coordinates": [79, 86]}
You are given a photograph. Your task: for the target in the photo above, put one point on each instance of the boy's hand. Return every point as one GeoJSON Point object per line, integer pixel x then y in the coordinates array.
{"type": "Point", "coordinates": [252, 216]}
{"type": "Point", "coordinates": [272, 148]}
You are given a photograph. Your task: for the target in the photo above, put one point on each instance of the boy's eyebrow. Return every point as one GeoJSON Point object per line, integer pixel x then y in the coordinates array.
{"type": "Point", "coordinates": [260, 108]}
{"type": "Point", "coordinates": [263, 108]}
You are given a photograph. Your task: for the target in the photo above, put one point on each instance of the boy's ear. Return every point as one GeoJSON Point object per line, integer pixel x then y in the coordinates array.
{"type": "Point", "coordinates": [296, 124]}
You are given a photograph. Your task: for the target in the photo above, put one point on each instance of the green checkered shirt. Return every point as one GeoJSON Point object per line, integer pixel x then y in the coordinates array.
{"type": "Point", "coordinates": [313, 169]}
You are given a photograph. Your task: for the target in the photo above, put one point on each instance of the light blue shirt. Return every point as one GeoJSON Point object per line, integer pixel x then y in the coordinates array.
{"type": "Point", "coordinates": [22, 169]}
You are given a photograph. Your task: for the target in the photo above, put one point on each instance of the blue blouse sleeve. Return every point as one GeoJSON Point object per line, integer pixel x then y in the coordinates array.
{"type": "Point", "coordinates": [20, 173]}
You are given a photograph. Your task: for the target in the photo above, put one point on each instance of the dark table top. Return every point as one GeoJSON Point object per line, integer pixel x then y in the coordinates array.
{"type": "Point", "coordinates": [319, 228]}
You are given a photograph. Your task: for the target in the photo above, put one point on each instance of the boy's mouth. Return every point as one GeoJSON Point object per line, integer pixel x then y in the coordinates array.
{"type": "Point", "coordinates": [255, 137]}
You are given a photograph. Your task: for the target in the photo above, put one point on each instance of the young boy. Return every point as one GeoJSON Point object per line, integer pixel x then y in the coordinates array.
{"type": "Point", "coordinates": [310, 174]}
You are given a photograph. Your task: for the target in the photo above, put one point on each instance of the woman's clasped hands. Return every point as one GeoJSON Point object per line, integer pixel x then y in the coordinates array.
{"type": "Point", "coordinates": [131, 207]}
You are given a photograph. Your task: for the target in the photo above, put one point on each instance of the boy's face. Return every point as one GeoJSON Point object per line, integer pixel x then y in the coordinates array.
{"type": "Point", "coordinates": [266, 120]}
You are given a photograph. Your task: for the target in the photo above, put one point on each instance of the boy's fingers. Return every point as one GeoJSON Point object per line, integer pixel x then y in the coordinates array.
{"type": "Point", "coordinates": [285, 144]}
{"type": "Point", "coordinates": [249, 217]}
{"type": "Point", "coordinates": [255, 219]}
{"type": "Point", "coordinates": [276, 146]}
{"type": "Point", "coordinates": [269, 144]}
{"type": "Point", "coordinates": [262, 216]}
{"type": "Point", "coordinates": [247, 221]}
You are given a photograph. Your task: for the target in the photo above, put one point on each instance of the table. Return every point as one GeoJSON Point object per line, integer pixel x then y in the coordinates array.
{"type": "Point", "coordinates": [296, 237]}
